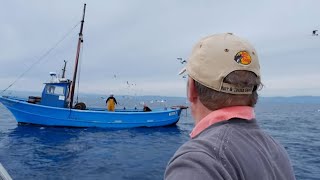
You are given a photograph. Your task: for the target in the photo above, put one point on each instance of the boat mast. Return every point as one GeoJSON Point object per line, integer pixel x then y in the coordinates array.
{"type": "Point", "coordinates": [73, 83]}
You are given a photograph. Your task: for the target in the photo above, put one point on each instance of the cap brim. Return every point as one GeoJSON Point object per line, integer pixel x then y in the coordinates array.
{"type": "Point", "coordinates": [183, 70]}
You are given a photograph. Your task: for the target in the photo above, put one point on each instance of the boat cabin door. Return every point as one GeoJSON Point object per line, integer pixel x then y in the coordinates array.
{"type": "Point", "coordinates": [55, 94]}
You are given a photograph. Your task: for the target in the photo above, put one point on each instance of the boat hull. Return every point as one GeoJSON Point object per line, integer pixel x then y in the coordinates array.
{"type": "Point", "coordinates": [51, 116]}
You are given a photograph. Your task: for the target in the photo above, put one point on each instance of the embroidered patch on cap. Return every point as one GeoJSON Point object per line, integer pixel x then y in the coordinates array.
{"type": "Point", "coordinates": [243, 57]}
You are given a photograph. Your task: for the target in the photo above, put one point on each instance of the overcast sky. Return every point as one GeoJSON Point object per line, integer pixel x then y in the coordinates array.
{"type": "Point", "coordinates": [139, 41]}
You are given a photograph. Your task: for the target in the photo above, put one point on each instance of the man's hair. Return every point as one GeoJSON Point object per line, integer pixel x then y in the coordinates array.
{"type": "Point", "coordinates": [214, 100]}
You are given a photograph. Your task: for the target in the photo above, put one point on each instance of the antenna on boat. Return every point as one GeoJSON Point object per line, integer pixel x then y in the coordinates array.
{"type": "Point", "coordinates": [64, 69]}
{"type": "Point", "coordinates": [80, 41]}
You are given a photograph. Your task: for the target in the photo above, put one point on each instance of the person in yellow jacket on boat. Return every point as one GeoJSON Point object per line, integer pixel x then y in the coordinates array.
{"type": "Point", "coordinates": [111, 103]}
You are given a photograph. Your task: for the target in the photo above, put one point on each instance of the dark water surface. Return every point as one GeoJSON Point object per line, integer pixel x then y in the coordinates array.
{"type": "Point", "coordinates": [34, 152]}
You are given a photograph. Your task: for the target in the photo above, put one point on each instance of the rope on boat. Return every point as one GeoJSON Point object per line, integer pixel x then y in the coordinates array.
{"type": "Point", "coordinates": [42, 57]}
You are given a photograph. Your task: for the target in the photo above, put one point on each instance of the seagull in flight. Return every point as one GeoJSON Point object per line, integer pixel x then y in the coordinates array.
{"type": "Point", "coordinates": [314, 33]}
{"type": "Point", "coordinates": [181, 60]}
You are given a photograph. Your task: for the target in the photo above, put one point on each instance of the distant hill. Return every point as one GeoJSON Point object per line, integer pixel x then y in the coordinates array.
{"type": "Point", "coordinates": [293, 99]}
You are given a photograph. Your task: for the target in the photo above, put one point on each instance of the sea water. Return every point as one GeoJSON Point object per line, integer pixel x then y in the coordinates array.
{"type": "Point", "coordinates": [35, 152]}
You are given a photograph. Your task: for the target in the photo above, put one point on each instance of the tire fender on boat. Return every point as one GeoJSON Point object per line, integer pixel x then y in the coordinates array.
{"type": "Point", "coordinates": [80, 105]}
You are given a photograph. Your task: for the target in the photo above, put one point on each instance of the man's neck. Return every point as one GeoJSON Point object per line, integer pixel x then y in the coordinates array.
{"type": "Point", "coordinates": [199, 111]}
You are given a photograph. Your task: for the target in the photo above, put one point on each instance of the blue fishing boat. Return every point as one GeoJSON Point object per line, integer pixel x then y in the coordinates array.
{"type": "Point", "coordinates": [56, 107]}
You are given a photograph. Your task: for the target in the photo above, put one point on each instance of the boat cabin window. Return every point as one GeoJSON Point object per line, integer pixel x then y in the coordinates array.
{"type": "Point", "coordinates": [56, 90]}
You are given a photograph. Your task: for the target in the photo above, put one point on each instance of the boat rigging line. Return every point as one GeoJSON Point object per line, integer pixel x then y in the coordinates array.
{"type": "Point", "coordinates": [42, 57]}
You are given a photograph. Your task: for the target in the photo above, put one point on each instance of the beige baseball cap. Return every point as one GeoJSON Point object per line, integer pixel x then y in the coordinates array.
{"type": "Point", "coordinates": [216, 56]}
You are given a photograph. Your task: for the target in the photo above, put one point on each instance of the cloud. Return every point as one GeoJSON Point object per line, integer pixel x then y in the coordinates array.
{"type": "Point", "coordinates": [301, 84]}
{"type": "Point", "coordinates": [139, 39]}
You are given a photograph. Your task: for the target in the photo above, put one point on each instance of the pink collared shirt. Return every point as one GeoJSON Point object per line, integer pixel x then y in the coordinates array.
{"type": "Point", "coordinates": [243, 112]}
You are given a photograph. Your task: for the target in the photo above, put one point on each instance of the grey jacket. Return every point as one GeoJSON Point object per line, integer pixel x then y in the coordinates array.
{"type": "Point", "coordinates": [231, 150]}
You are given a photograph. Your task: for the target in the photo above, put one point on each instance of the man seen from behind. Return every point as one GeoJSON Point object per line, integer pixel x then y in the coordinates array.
{"type": "Point", "coordinates": [226, 142]}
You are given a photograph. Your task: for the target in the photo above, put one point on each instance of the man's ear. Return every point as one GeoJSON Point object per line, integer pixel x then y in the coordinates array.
{"type": "Point", "coordinates": [192, 91]}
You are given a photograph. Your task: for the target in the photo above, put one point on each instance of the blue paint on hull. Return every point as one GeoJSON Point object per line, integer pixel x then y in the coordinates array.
{"type": "Point", "coordinates": [25, 112]}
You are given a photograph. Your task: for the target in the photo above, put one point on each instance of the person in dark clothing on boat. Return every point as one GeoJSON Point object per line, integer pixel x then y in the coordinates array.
{"type": "Point", "coordinates": [146, 108]}
{"type": "Point", "coordinates": [226, 142]}
{"type": "Point", "coordinates": [111, 103]}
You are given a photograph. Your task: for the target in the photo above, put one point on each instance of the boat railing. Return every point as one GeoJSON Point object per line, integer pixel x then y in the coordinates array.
{"type": "Point", "coordinates": [15, 98]}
